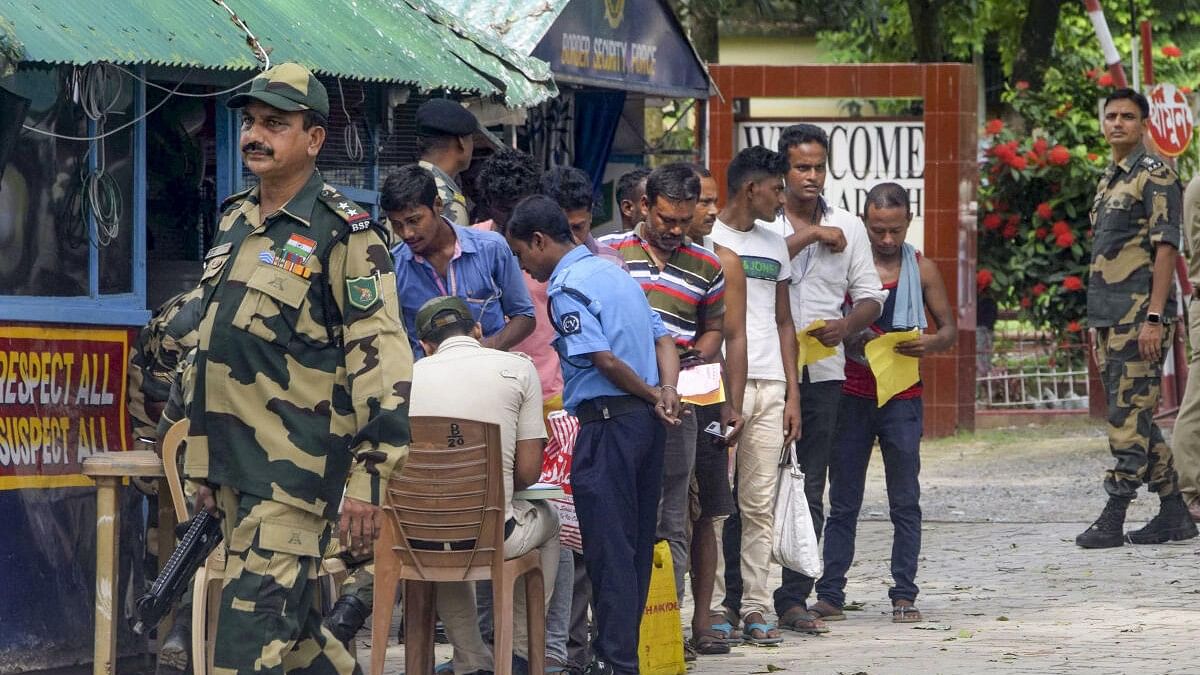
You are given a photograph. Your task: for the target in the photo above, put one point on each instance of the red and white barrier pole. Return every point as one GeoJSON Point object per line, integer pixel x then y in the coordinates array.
{"type": "Point", "coordinates": [1111, 58]}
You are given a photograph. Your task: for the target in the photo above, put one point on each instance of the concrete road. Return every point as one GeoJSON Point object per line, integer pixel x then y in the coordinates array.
{"type": "Point", "coordinates": [1004, 589]}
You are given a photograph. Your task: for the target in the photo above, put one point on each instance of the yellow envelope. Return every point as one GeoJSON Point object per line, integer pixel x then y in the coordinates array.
{"type": "Point", "coordinates": [809, 349]}
{"type": "Point", "coordinates": [893, 372]}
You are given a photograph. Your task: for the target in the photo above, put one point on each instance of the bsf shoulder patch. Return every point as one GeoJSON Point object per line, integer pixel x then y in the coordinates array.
{"type": "Point", "coordinates": [570, 323]}
{"type": "Point", "coordinates": [360, 225]}
{"type": "Point", "coordinates": [363, 292]}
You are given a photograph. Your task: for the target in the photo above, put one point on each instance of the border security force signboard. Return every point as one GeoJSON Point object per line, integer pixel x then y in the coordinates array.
{"type": "Point", "coordinates": [863, 153]}
{"type": "Point", "coordinates": [62, 398]}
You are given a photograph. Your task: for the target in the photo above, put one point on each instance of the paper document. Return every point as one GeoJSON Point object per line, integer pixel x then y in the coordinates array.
{"type": "Point", "coordinates": [809, 349]}
{"type": "Point", "coordinates": [539, 491]}
{"type": "Point", "coordinates": [699, 380]}
{"type": "Point", "coordinates": [893, 372]}
{"type": "Point", "coordinates": [715, 396]}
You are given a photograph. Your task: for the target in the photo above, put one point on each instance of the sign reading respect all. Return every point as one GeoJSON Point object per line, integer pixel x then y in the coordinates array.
{"type": "Point", "coordinates": [62, 398]}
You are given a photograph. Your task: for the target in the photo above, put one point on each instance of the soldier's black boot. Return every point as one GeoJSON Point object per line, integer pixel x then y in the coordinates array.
{"type": "Point", "coordinates": [1173, 523]}
{"type": "Point", "coordinates": [173, 655]}
{"type": "Point", "coordinates": [1108, 530]}
{"type": "Point", "coordinates": [346, 618]}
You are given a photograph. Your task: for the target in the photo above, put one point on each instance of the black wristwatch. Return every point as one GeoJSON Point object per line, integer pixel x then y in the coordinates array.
{"type": "Point", "coordinates": [1154, 318]}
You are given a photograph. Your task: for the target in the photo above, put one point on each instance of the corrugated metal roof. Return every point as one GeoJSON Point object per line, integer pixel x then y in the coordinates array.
{"type": "Point", "coordinates": [408, 41]}
{"type": "Point", "coordinates": [520, 24]}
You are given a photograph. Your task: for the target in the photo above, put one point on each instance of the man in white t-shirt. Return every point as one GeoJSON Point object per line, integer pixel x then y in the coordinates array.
{"type": "Point", "coordinates": [771, 404]}
{"type": "Point", "coordinates": [461, 378]}
{"type": "Point", "coordinates": [831, 259]}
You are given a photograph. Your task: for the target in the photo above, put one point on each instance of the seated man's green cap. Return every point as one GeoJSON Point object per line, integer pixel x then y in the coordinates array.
{"type": "Point", "coordinates": [441, 312]}
{"type": "Point", "coordinates": [289, 87]}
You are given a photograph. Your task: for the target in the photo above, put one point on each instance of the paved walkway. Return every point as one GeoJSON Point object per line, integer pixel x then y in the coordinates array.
{"type": "Point", "coordinates": [1003, 586]}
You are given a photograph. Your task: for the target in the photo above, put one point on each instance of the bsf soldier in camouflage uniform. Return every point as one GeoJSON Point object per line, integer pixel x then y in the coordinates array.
{"type": "Point", "coordinates": [1131, 305]}
{"type": "Point", "coordinates": [445, 137]}
{"type": "Point", "coordinates": [301, 382]}
{"type": "Point", "coordinates": [169, 335]}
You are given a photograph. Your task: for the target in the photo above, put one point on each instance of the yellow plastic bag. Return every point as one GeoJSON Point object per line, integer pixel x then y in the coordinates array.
{"type": "Point", "coordinates": [660, 639]}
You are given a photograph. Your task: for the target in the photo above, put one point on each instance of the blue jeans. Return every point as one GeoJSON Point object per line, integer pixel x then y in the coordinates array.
{"type": "Point", "coordinates": [558, 612]}
{"type": "Point", "coordinates": [897, 425]}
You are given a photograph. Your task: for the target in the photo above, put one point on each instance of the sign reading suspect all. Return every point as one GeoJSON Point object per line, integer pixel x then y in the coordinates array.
{"type": "Point", "coordinates": [62, 398]}
{"type": "Point", "coordinates": [862, 154]}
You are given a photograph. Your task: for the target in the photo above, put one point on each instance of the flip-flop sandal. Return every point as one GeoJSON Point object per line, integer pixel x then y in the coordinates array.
{"type": "Point", "coordinates": [748, 628]}
{"type": "Point", "coordinates": [709, 645]}
{"type": "Point", "coordinates": [906, 614]}
{"type": "Point", "coordinates": [827, 611]}
{"type": "Point", "coordinates": [727, 633]}
{"type": "Point", "coordinates": [444, 668]}
{"type": "Point", "coordinates": [801, 620]}
{"type": "Point", "coordinates": [553, 665]}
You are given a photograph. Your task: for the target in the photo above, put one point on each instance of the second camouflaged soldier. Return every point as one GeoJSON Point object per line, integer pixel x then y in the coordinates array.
{"type": "Point", "coordinates": [301, 383]}
{"type": "Point", "coordinates": [1131, 306]}
{"type": "Point", "coordinates": [445, 137]}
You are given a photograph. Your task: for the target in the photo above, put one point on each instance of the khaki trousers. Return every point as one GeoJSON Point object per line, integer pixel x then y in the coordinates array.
{"type": "Point", "coordinates": [758, 453]}
{"type": "Point", "coordinates": [1185, 442]}
{"type": "Point", "coordinates": [536, 528]}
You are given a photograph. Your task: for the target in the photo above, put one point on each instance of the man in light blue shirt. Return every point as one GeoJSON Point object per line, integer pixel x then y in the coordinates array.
{"type": "Point", "coordinates": [438, 258]}
{"type": "Point", "coordinates": [619, 368]}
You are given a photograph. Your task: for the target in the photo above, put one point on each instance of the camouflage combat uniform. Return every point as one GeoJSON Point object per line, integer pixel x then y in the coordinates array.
{"type": "Point", "coordinates": [301, 384]}
{"type": "Point", "coordinates": [153, 359]}
{"type": "Point", "coordinates": [1136, 208]}
{"type": "Point", "coordinates": [454, 202]}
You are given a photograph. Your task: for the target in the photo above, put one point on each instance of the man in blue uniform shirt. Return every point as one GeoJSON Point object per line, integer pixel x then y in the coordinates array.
{"type": "Point", "coordinates": [619, 372]}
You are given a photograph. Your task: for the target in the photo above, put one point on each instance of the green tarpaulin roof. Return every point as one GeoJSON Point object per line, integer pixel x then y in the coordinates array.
{"type": "Point", "coordinates": [406, 41]}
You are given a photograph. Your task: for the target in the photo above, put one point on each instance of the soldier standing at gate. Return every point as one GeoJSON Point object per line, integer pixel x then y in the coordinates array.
{"type": "Point", "coordinates": [1131, 307]}
{"type": "Point", "coordinates": [300, 386]}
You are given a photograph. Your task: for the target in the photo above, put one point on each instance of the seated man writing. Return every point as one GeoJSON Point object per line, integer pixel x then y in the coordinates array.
{"type": "Point", "coordinates": [461, 378]}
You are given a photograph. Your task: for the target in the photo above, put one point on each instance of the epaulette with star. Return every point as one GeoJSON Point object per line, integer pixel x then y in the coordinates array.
{"type": "Point", "coordinates": [356, 217]}
{"type": "Point", "coordinates": [1151, 162]}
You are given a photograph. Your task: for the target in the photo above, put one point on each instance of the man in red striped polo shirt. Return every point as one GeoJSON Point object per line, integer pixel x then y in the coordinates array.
{"type": "Point", "coordinates": [683, 282]}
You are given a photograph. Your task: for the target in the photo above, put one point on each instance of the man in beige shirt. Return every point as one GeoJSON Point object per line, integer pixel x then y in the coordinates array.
{"type": "Point", "coordinates": [460, 378]}
{"type": "Point", "coordinates": [1186, 440]}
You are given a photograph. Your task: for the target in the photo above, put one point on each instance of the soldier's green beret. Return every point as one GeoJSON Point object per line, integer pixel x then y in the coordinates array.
{"type": "Point", "coordinates": [441, 312]}
{"type": "Point", "coordinates": [289, 87]}
{"type": "Point", "coordinates": [443, 117]}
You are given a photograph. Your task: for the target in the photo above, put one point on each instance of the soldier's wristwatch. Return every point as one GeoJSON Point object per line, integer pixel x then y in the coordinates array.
{"type": "Point", "coordinates": [1153, 318]}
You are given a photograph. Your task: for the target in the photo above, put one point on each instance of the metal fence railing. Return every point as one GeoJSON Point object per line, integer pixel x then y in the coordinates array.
{"type": "Point", "coordinates": [1031, 370]}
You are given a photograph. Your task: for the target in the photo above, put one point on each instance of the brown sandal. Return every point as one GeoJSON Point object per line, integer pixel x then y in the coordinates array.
{"type": "Point", "coordinates": [904, 611]}
{"type": "Point", "coordinates": [827, 611]}
{"type": "Point", "coordinates": [801, 620]}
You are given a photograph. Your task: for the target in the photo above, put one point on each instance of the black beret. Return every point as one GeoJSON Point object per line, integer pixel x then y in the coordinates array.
{"type": "Point", "coordinates": [443, 117]}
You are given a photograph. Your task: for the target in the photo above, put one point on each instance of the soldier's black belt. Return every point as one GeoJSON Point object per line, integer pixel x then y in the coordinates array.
{"type": "Point", "coordinates": [461, 545]}
{"type": "Point", "coordinates": [608, 407]}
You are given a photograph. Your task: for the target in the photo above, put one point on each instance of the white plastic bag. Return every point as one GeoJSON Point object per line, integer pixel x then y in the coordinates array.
{"type": "Point", "coordinates": [795, 545]}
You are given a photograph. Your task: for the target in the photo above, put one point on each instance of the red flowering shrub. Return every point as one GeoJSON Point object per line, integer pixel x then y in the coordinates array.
{"type": "Point", "coordinates": [1035, 191]}
{"type": "Point", "coordinates": [983, 278]}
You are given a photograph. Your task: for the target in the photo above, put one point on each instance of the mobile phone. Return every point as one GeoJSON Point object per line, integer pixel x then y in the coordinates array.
{"type": "Point", "coordinates": [714, 428]}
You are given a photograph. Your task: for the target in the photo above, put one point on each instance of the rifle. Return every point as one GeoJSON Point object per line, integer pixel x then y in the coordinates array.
{"type": "Point", "coordinates": [201, 537]}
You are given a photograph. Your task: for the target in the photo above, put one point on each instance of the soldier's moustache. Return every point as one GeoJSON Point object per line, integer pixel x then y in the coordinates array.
{"type": "Point", "coordinates": [258, 147]}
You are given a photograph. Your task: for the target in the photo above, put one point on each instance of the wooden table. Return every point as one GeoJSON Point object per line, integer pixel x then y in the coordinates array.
{"type": "Point", "coordinates": [108, 469]}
